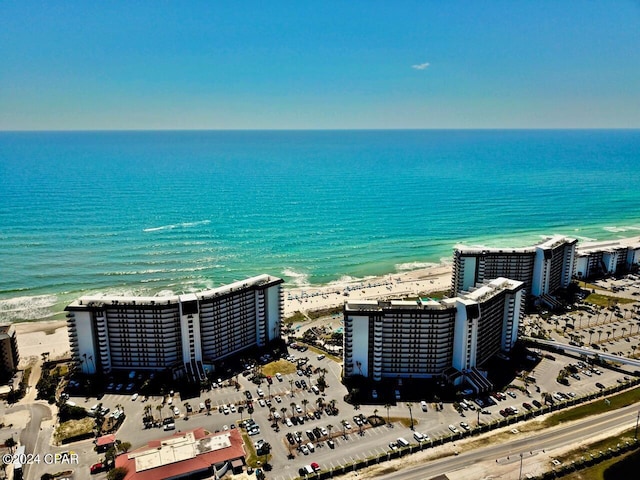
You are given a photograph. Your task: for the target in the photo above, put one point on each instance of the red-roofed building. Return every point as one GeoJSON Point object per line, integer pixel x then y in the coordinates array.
{"type": "Point", "coordinates": [192, 454]}
{"type": "Point", "coordinates": [104, 442]}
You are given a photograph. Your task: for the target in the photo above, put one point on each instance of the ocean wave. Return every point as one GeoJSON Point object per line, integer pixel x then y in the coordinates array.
{"type": "Point", "coordinates": [297, 278]}
{"type": "Point", "coordinates": [177, 225]}
{"type": "Point", "coordinates": [27, 308]}
{"type": "Point", "coordinates": [162, 270]}
{"type": "Point", "coordinates": [403, 267]}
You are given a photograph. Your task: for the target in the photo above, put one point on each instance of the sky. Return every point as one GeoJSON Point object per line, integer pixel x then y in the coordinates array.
{"type": "Point", "coordinates": [79, 65]}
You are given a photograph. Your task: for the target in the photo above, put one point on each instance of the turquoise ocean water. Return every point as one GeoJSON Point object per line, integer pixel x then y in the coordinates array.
{"type": "Point", "coordinates": [144, 212]}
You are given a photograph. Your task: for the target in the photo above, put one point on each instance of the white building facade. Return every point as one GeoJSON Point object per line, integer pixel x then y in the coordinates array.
{"type": "Point", "coordinates": [179, 332]}
{"type": "Point", "coordinates": [424, 338]}
{"type": "Point", "coordinates": [543, 268]}
{"type": "Point", "coordinates": [605, 258]}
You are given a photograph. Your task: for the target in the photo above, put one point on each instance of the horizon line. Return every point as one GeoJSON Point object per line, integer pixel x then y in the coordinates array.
{"type": "Point", "coordinates": [132, 130]}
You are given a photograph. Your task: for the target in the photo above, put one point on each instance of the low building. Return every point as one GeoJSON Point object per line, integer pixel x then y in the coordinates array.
{"type": "Point", "coordinates": [182, 333]}
{"type": "Point", "coordinates": [9, 355]}
{"type": "Point", "coordinates": [185, 455]}
{"type": "Point", "coordinates": [426, 338]}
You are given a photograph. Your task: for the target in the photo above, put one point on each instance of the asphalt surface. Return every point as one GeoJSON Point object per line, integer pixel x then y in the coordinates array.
{"type": "Point", "coordinates": [533, 442]}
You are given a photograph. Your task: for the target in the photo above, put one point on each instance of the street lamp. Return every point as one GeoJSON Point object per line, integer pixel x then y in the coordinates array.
{"type": "Point", "coordinates": [520, 476]}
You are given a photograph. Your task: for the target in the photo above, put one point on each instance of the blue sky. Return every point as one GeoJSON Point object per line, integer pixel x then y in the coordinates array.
{"type": "Point", "coordinates": [329, 64]}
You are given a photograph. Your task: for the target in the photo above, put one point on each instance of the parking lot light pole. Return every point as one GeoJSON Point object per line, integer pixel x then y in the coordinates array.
{"type": "Point", "coordinates": [520, 475]}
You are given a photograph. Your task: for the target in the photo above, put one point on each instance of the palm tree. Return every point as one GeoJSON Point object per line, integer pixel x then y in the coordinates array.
{"type": "Point", "coordinates": [320, 403]}
{"type": "Point", "coordinates": [272, 410]}
{"type": "Point", "coordinates": [410, 414]}
{"type": "Point", "coordinates": [284, 414]}
{"type": "Point", "coordinates": [240, 410]}
{"type": "Point", "coordinates": [608, 334]}
{"type": "Point", "coordinates": [599, 335]}
{"type": "Point", "coordinates": [159, 408]}
{"type": "Point", "coordinates": [293, 408]}
{"type": "Point", "coordinates": [291, 387]}
{"type": "Point", "coordinates": [624, 329]}
{"type": "Point", "coordinates": [591, 332]}
{"type": "Point", "coordinates": [305, 402]}
{"type": "Point", "coordinates": [329, 428]}
{"type": "Point", "coordinates": [10, 443]}
{"type": "Point", "coordinates": [388, 406]}
{"type": "Point", "coordinates": [375, 412]}
{"type": "Point", "coordinates": [344, 427]}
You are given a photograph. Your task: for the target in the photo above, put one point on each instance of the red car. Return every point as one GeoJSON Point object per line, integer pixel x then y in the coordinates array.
{"type": "Point", "coordinates": [97, 468]}
{"type": "Point", "coordinates": [315, 466]}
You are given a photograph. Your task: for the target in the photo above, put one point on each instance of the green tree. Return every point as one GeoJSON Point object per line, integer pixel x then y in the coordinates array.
{"type": "Point", "coordinates": [117, 473]}
{"type": "Point", "coordinates": [10, 443]}
{"type": "Point", "coordinates": [124, 447]}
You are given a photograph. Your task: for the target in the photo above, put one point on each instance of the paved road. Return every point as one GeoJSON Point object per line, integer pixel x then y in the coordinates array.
{"type": "Point", "coordinates": [547, 439]}
{"type": "Point", "coordinates": [29, 436]}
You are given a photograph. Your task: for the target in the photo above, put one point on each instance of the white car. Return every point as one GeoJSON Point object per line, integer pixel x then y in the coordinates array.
{"type": "Point", "coordinates": [134, 397]}
{"type": "Point", "coordinates": [289, 422]}
{"type": "Point", "coordinates": [453, 428]}
{"type": "Point", "coordinates": [279, 376]}
{"type": "Point", "coordinates": [176, 412]}
{"type": "Point", "coordinates": [278, 399]}
{"type": "Point", "coordinates": [232, 407]}
{"type": "Point", "coordinates": [226, 410]}
{"type": "Point", "coordinates": [298, 409]}
{"type": "Point", "coordinates": [423, 405]}
{"type": "Point", "coordinates": [261, 402]}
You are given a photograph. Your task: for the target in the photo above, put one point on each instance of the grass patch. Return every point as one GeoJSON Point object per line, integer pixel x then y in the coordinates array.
{"type": "Point", "coordinates": [606, 300]}
{"type": "Point", "coordinates": [597, 406]}
{"type": "Point", "coordinates": [296, 317]}
{"type": "Point", "coordinates": [601, 445]}
{"type": "Point", "coordinates": [74, 428]}
{"type": "Point", "coordinates": [283, 366]}
{"type": "Point", "coordinates": [253, 458]}
{"type": "Point", "coordinates": [324, 312]}
{"type": "Point", "coordinates": [405, 421]}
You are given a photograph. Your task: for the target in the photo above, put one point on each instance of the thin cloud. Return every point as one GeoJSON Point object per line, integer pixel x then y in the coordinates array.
{"type": "Point", "coordinates": [420, 66]}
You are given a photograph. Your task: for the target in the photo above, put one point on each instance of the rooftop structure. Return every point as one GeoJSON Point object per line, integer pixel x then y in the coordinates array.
{"type": "Point", "coordinates": [179, 332]}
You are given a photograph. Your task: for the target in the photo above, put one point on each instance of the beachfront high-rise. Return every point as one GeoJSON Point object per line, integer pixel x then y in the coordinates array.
{"type": "Point", "coordinates": [609, 257]}
{"type": "Point", "coordinates": [177, 332]}
{"type": "Point", "coordinates": [543, 268]}
{"type": "Point", "coordinates": [9, 355]}
{"type": "Point", "coordinates": [426, 338]}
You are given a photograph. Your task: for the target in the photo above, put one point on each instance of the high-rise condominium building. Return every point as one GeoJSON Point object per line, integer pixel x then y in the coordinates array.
{"type": "Point", "coordinates": [542, 268]}
{"type": "Point", "coordinates": [9, 355]}
{"type": "Point", "coordinates": [608, 257]}
{"type": "Point", "coordinates": [425, 338]}
{"type": "Point", "coordinates": [177, 332]}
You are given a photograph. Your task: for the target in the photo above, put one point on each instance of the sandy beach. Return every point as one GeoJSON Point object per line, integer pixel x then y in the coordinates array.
{"type": "Point", "coordinates": [35, 338]}
{"type": "Point", "coordinates": [390, 286]}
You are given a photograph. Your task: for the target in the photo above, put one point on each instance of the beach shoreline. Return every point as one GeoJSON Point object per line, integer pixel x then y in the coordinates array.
{"type": "Point", "coordinates": [40, 336]}
{"type": "Point", "coordinates": [396, 285]}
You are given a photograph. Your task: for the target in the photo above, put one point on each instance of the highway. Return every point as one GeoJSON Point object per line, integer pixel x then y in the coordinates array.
{"type": "Point", "coordinates": [548, 439]}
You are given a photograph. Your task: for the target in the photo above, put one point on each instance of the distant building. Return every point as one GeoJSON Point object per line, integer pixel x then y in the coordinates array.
{"type": "Point", "coordinates": [178, 332]}
{"type": "Point", "coordinates": [9, 355]}
{"type": "Point", "coordinates": [595, 259]}
{"type": "Point", "coordinates": [543, 268]}
{"type": "Point", "coordinates": [186, 455]}
{"type": "Point", "coordinates": [426, 338]}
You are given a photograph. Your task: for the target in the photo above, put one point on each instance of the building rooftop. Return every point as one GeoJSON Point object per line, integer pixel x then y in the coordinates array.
{"type": "Point", "coordinates": [100, 300]}
{"type": "Point", "coordinates": [547, 242]}
{"type": "Point", "coordinates": [608, 245]}
{"type": "Point", "coordinates": [182, 453]}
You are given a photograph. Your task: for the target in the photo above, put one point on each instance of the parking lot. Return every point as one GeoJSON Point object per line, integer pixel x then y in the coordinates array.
{"type": "Point", "coordinates": [357, 443]}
